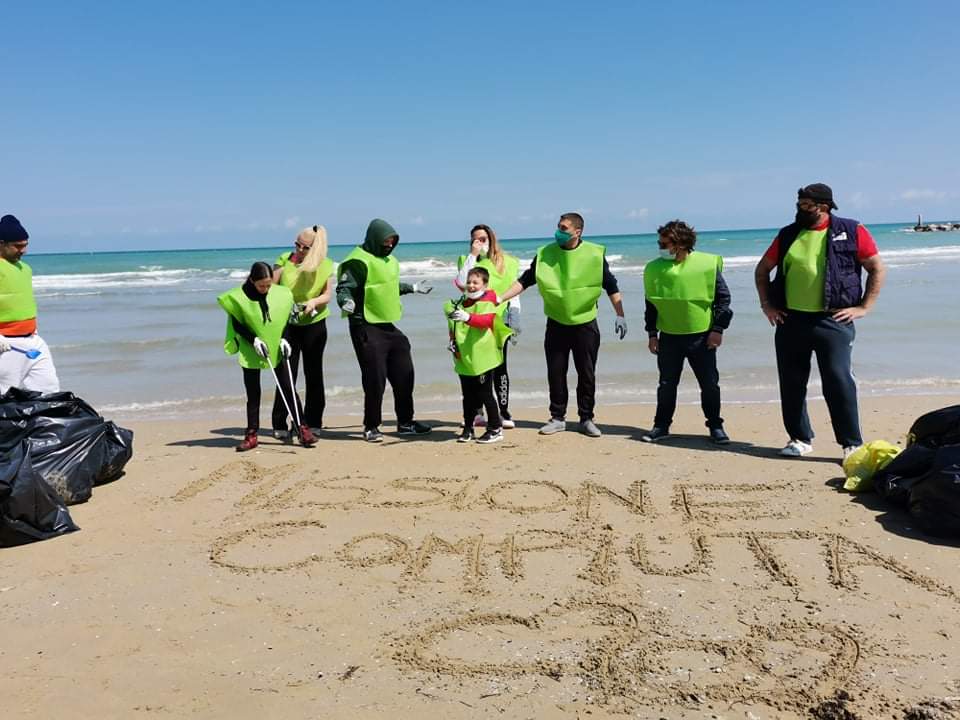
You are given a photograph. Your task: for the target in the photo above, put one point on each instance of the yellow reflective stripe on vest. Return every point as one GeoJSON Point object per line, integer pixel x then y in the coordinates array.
{"type": "Point", "coordinates": [683, 293]}
{"type": "Point", "coordinates": [238, 305]}
{"type": "Point", "coordinates": [570, 281]}
{"type": "Point", "coordinates": [16, 292]}
{"type": "Point", "coordinates": [381, 292]}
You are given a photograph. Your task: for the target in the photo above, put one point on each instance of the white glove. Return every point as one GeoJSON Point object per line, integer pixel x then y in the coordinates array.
{"type": "Point", "coordinates": [459, 315]}
{"type": "Point", "coordinates": [348, 306]}
{"type": "Point", "coordinates": [620, 327]}
{"type": "Point", "coordinates": [424, 288]}
{"type": "Point", "coordinates": [4, 345]}
{"type": "Point", "coordinates": [285, 348]}
{"type": "Point", "coordinates": [261, 347]}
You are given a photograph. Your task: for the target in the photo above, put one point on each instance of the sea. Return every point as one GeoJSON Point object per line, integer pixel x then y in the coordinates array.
{"type": "Point", "coordinates": [139, 334]}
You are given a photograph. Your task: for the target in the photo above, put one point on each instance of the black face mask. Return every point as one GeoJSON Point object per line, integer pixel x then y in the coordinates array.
{"type": "Point", "coordinates": [807, 218]}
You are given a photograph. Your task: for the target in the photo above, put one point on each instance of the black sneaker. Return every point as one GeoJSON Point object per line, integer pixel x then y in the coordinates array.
{"type": "Point", "coordinates": [719, 437]}
{"type": "Point", "coordinates": [491, 436]}
{"type": "Point", "coordinates": [373, 435]}
{"type": "Point", "coordinates": [413, 428]}
{"type": "Point", "coordinates": [466, 435]}
{"type": "Point", "coordinates": [656, 434]}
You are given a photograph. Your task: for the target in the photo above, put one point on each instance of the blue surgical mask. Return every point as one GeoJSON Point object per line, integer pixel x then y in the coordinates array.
{"type": "Point", "coordinates": [562, 237]}
{"type": "Point", "coordinates": [666, 254]}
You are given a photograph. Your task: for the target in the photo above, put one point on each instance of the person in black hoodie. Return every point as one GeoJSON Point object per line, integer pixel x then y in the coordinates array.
{"type": "Point", "coordinates": [368, 293]}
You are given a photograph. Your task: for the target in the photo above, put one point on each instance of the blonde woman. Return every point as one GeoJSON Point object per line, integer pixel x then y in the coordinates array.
{"type": "Point", "coordinates": [306, 272]}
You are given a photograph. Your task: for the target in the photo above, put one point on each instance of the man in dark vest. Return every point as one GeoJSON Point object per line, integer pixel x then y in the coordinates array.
{"type": "Point", "coordinates": [812, 301]}
{"type": "Point", "coordinates": [571, 274]}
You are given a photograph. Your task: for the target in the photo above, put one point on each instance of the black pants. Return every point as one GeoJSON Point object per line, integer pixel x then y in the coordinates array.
{"type": "Point", "coordinates": [309, 341]}
{"type": "Point", "coordinates": [251, 383]}
{"type": "Point", "coordinates": [584, 342]}
{"type": "Point", "coordinates": [478, 392]}
{"type": "Point", "coordinates": [383, 353]}
{"type": "Point", "coordinates": [801, 335]}
{"type": "Point", "coordinates": [674, 349]}
{"type": "Point", "coordinates": [501, 387]}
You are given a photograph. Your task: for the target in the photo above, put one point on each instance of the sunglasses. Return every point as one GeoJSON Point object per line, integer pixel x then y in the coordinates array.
{"type": "Point", "coordinates": [300, 246]}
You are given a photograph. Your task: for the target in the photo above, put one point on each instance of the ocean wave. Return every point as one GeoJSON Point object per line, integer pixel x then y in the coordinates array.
{"type": "Point", "coordinates": [200, 280]}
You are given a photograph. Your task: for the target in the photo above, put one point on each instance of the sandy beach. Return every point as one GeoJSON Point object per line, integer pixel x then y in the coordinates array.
{"type": "Point", "coordinates": [554, 577]}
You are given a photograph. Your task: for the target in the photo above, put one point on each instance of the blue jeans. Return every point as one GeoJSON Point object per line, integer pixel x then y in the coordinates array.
{"type": "Point", "coordinates": [674, 349]}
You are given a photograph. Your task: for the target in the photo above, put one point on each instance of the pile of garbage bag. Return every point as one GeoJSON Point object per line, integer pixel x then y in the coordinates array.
{"type": "Point", "coordinates": [54, 448]}
{"type": "Point", "coordinates": [925, 477]}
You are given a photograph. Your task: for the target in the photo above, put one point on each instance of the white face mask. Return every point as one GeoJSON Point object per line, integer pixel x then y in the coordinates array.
{"type": "Point", "coordinates": [666, 254]}
{"type": "Point", "coordinates": [475, 295]}
{"type": "Point", "coordinates": [484, 248]}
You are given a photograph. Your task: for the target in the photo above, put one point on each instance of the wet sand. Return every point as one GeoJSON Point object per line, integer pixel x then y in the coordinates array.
{"type": "Point", "coordinates": [547, 577]}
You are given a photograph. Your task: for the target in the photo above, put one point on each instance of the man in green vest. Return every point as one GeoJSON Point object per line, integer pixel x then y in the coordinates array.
{"type": "Point", "coordinates": [25, 360]}
{"type": "Point", "coordinates": [368, 293]}
{"type": "Point", "coordinates": [570, 274]}
{"type": "Point", "coordinates": [687, 310]}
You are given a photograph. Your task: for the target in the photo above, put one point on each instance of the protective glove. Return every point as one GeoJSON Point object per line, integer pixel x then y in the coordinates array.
{"type": "Point", "coordinates": [285, 348]}
{"type": "Point", "coordinates": [424, 287]}
{"type": "Point", "coordinates": [348, 306]}
{"type": "Point", "coordinates": [261, 348]}
{"type": "Point", "coordinates": [296, 311]}
{"type": "Point", "coordinates": [459, 315]}
{"type": "Point", "coordinates": [620, 327]}
{"type": "Point", "coordinates": [4, 345]}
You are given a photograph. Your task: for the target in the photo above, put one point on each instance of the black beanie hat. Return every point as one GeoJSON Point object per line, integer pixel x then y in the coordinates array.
{"type": "Point", "coordinates": [11, 230]}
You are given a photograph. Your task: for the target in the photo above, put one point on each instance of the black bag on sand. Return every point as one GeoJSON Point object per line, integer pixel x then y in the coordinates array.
{"type": "Point", "coordinates": [925, 478]}
{"type": "Point", "coordinates": [70, 445]}
{"type": "Point", "coordinates": [937, 428]}
{"type": "Point", "coordinates": [935, 499]}
{"type": "Point", "coordinates": [897, 479]}
{"type": "Point", "coordinates": [30, 509]}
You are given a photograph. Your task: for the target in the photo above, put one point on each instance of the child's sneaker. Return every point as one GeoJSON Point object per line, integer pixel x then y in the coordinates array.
{"type": "Point", "coordinates": [480, 421]}
{"type": "Point", "coordinates": [491, 436]}
{"type": "Point", "coordinates": [508, 424]}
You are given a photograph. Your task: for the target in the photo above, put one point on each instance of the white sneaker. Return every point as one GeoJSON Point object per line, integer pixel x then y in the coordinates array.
{"type": "Point", "coordinates": [796, 448]}
{"type": "Point", "coordinates": [508, 424]}
{"type": "Point", "coordinates": [850, 450]}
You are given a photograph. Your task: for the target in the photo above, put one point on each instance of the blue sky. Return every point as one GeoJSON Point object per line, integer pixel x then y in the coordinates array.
{"type": "Point", "coordinates": [152, 125]}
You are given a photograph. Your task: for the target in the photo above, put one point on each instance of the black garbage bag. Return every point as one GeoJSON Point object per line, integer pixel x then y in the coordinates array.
{"type": "Point", "coordinates": [895, 481]}
{"type": "Point", "coordinates": [70, 445]}
{"type": "Point", "coordinates": [935, 498]}
{"type": "Point", "coordinates": [937, 428]}
{"type": "Point", "coordinates": [30, 509]}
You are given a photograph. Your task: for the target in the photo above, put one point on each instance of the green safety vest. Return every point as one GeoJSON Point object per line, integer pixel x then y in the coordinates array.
{"type": "Point", "coordinates": [289, 275]}
{"type": "Point", "coordinates": [499, 282]}
{"type": "Point", "coordinates": [683, 292]}
{"type": "Point", "coordinates": [16, 292]}
{"type": "Point", "coordinates": [570, 281]}
{"type": "Point", "coordinates": [480, 349]}
{"type": "Point", "coordinates": [381, 293]}
{"type": "Point", "coordinates": [247, 311]}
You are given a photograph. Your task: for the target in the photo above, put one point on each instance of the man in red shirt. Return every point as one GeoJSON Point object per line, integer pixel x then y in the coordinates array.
{"type": "Point", "coordinates": [812, 301]}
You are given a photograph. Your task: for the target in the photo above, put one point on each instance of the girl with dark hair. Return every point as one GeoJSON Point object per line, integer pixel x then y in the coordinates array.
{"type": "Point", "coordinates": [503, 268]}
{"type": "Point", "coordinates": [257, 314]}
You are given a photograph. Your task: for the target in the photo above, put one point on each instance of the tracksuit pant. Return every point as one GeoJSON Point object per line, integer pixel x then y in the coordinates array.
{"type": "Point", "coordinates": [478, 392]}
{"type": "Point", "coordinates": [383, 353]}
{"type": "Point", "coordinates": [674, 349]}
{"type": "Point", "coordinates": [583, 341]}
{"type": "Point", "coordinates": [501, 388]}
{"type": "Point", "coordinates": [801, 335]}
